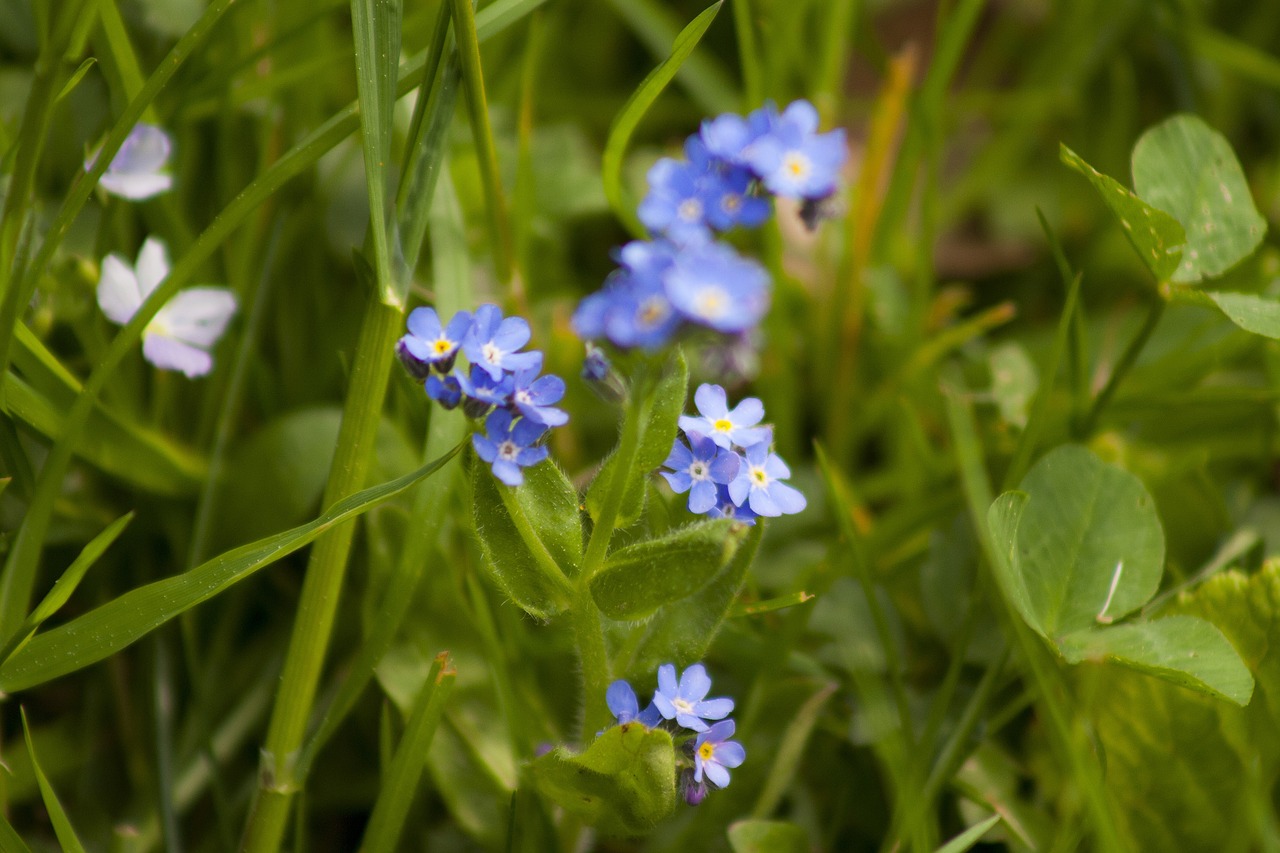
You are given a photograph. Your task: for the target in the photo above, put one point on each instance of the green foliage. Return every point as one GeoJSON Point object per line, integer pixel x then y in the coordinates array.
{"type": "Point", "coordinates": [531, 536]}
{"type": "Point", "coordinates": [638, 579]}
{"type": "Point", "coordinates": [1080, 546]}
{"type": "Point", "coordinates": [624, 783]}
{"type": "Point", "coordinates": [767, 836]}
{"type": "Point", "coordinates": [1187, 169]}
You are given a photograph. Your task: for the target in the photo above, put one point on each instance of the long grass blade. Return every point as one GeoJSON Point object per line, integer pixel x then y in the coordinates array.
{"type": "Point", "coordinates": [635, 108]}
{"type": "Point", "coordinates": [126, 619]}
{"type": "Point", "coordinates": [57, 814]}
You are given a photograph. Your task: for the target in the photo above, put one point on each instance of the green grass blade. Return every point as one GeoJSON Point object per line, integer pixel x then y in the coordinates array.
{"type": "Point", "coordinates": [970, 836]}
{"type": "Point", "coordinates": [635, 108]}
{"type": "Point", "coordinates": [501, 14]}
{"type": "Point", "coordinates": [376, 25]}
{"type": "Point", "coordinates": [400, 782]}
{"type": "Point", "coordinates": [10, 841]}
{"type": "Point", "coordinates": [64, 586]}
{"type": "Point", "coordinates": [75, 78]}
{"type": "Point", "coordinates": [464, 28]}
{"type": "Point", "coordinates": [126, 619]}
{"type": "Point", "coordinates": [707, 82]}
{"type": "Point", "coordinates": [57, 815]}
{"type": "Point", "coordinates": [790, 751]}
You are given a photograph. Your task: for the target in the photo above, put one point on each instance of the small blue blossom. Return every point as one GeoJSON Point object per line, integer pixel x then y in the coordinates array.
{"type": "Point", "coordinates": [793, 160]}
{"type": "Point", "coordinates": [730, 203]}
{"type": "Point", "coordinates": [676, 205]}
{"type": "Point", "coordinates": [726, 508]}
{"type": "Point", "coordinates": [694, 792]}
{"type": "Point", "coordinates": [431, 344]}
{"type": "Point", "coordinates": [684, 701]}
{"type": "Point", "coordinates": [729, 136]}
{"type": "Point", "coordinates": [759, 484]}
{"type": "Point", "coordinates": [483, 391]}
{"type": "Point", "coordinates": [492, 342]}
{"type": "Point", "coordinates": [534, 395]}
{"type": "Point", "coordinates": [712, 285]}
{"type": "Point", "coordinates": [724, 426]}
{"type": "Point", "coordinates": [509, 446]}
{"type": "Point", "coordinates": [699, 468]}
{"type": "Point", "coordinates": [445, 390]}
{"type": "Point", "coordinates": [624, 706]}
{"type": "Point", "coordinates": [714, 754]}
{"type": "Point", "coordinates": [137, 170]}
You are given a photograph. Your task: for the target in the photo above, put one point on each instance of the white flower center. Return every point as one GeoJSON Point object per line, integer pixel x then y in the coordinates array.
{"type": "Point", "coordinates": [759, 477]}
{"type": "Point", "coordinates": [682, 706]}
{"type": "Point", "coordinates": [690, 210]}
{"type": "Point", "coordinates": [491, 353]}
{"type": "Point", "coordinates": [652, 311]}
{"type": "Point", "coordinates": [508, 450]}
{"type": "Point", "coordinates": [523, 396]}
{"type": "Point", "coordinates": [698, 471]}
{"type": "Point", "coordinates": [731, 202]}
{"type": "Point", "coordinates": [796, 165]}
{"type": "Point", "coordinates": [712, 302]}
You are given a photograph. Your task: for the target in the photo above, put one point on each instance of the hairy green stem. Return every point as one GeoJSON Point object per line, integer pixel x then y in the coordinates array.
{"type": "Point", "coordinates": [321, 590]}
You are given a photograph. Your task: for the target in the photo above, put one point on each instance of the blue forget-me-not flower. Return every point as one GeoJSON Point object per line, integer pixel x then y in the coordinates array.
{"type": "Point", "coordinates": [714, 754]}
{"type": "Point", "coordinates": [699, 468]}
{"type": "Point", "coordinates": [685, 701]}
{"type": "Point", "coordinates": [509, 445]}
{"type": "Point", "coordinates": [622, 702]}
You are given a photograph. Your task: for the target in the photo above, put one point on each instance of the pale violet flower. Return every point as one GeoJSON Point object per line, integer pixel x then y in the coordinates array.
{"type": "Point", "coordinates": [181, 334]}
{"type": "Point", "coordinates": [137, 170]}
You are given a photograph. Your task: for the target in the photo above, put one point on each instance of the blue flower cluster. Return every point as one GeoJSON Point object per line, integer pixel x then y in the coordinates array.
{"type": "Point", "coordinates": [727, 467]}
{"type": "Point", "coordinates": [684, 277]}
{"type": "Point", "coordinates": [685, 702]}
{"type": "Point", "coordinates": [500, 383]}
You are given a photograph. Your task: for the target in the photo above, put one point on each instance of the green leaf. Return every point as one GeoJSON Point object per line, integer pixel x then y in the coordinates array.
{"type": "Point", "coordinates": [683, 631]}
{"type": "Point", "coordinates": [624, 783]}
{"type": "Point", "coordinates": [970, 836]}
{"type": "Point", "coordinates": [638, 579]}
{"type": "Point", "coordinates": [531, 536]}
{"type": "Point", "coordinates": [57, 815]}
{"type": "Point", "coordinates": [126, 619]}
{"type": "Point", "coordinates": [400, 781]}
{"type": "Point", "coordinates": [1086, 548]}
{"type": "Point", "coordinates": [660, 423]}
{"type": "Point", "coordinates": [1186, 168]}
{"type": "Point", "coordinates": [376, 30]}
{"type": "Point", "coordinates": [1002, 522]}
{"type": "Point", "coordinates": [1013, 382]}
{"type": "Point", "coordinates": [1250, 312]}
{"type": "Point", "coordinates": [1183, 649]}
{"type": "Point", "coordinates": [1156, 236]}
{"type": "Point", "coordinates": [635, 108]}
{"type": "Point", "coordinates": [767, 836]}
{"type": "Point", "coordinates": [65, 585]}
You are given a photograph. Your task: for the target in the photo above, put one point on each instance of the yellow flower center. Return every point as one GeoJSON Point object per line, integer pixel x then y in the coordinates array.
{"type": "Point", "coordinates": [707, 750]}
{"type": "Point", "coordinates": [723, 425]}
{"type": "Point", "coordinates": [442, 346]}
{"type": "Point", "coordinates": [796, 164]}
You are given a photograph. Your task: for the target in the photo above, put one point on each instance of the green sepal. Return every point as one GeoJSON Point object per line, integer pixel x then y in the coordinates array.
{"type": "Point", "coordinates": [624, 784]}
{"type": "Point", "coordinates": [530, 535]}
{"type": "Point", "coordinates": [640, 578]}
{"type": "Point", "coordinates": [659, 433]}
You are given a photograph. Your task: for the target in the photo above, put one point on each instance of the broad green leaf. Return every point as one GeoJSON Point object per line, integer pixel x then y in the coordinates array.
{"type": "Point", "coordinates": [638, 579]}
{"type": "Point", "coordinates": [1187, 169]}
{"type": "Point", "coordinates": [767, 836]}
{"type": "Point", "coordinates": [531, 536]}
{"type": "Point", "coordinates": [683, 631]}
{"type": "Point", "coordinates": [1002, 521]}
{"type": "Point", "coordinates": [57, 815]}
{"type": "Point", "coordinates": [635, 108]}
{"type": "Point", "coordinates": [1250, 312]}
{"type": "Point", "coordinates": [1155, 235]}
{"type": "Point", "coordinates": [1087, 547]}
{"type": "Point", "coordinates": [126, 619]}
{"type": "Point", "coordinates": [666, 405]}
{"type": "Point", "coordinates": [1183, 649]}
{"type": "Point", "coordinates": [970, 836]}
{"type": "Point", "coordinates": [1183, 769]}
{"type": "Point", "coordinates": [624, 784]}
{"type": "Point", "coordinates": [375, 28]}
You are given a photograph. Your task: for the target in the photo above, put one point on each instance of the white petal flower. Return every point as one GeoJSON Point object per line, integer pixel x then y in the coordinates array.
{"type": "Point", "coordinates": [136, 172]}
{"type": "Point", "coordinates": [189, 324]}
